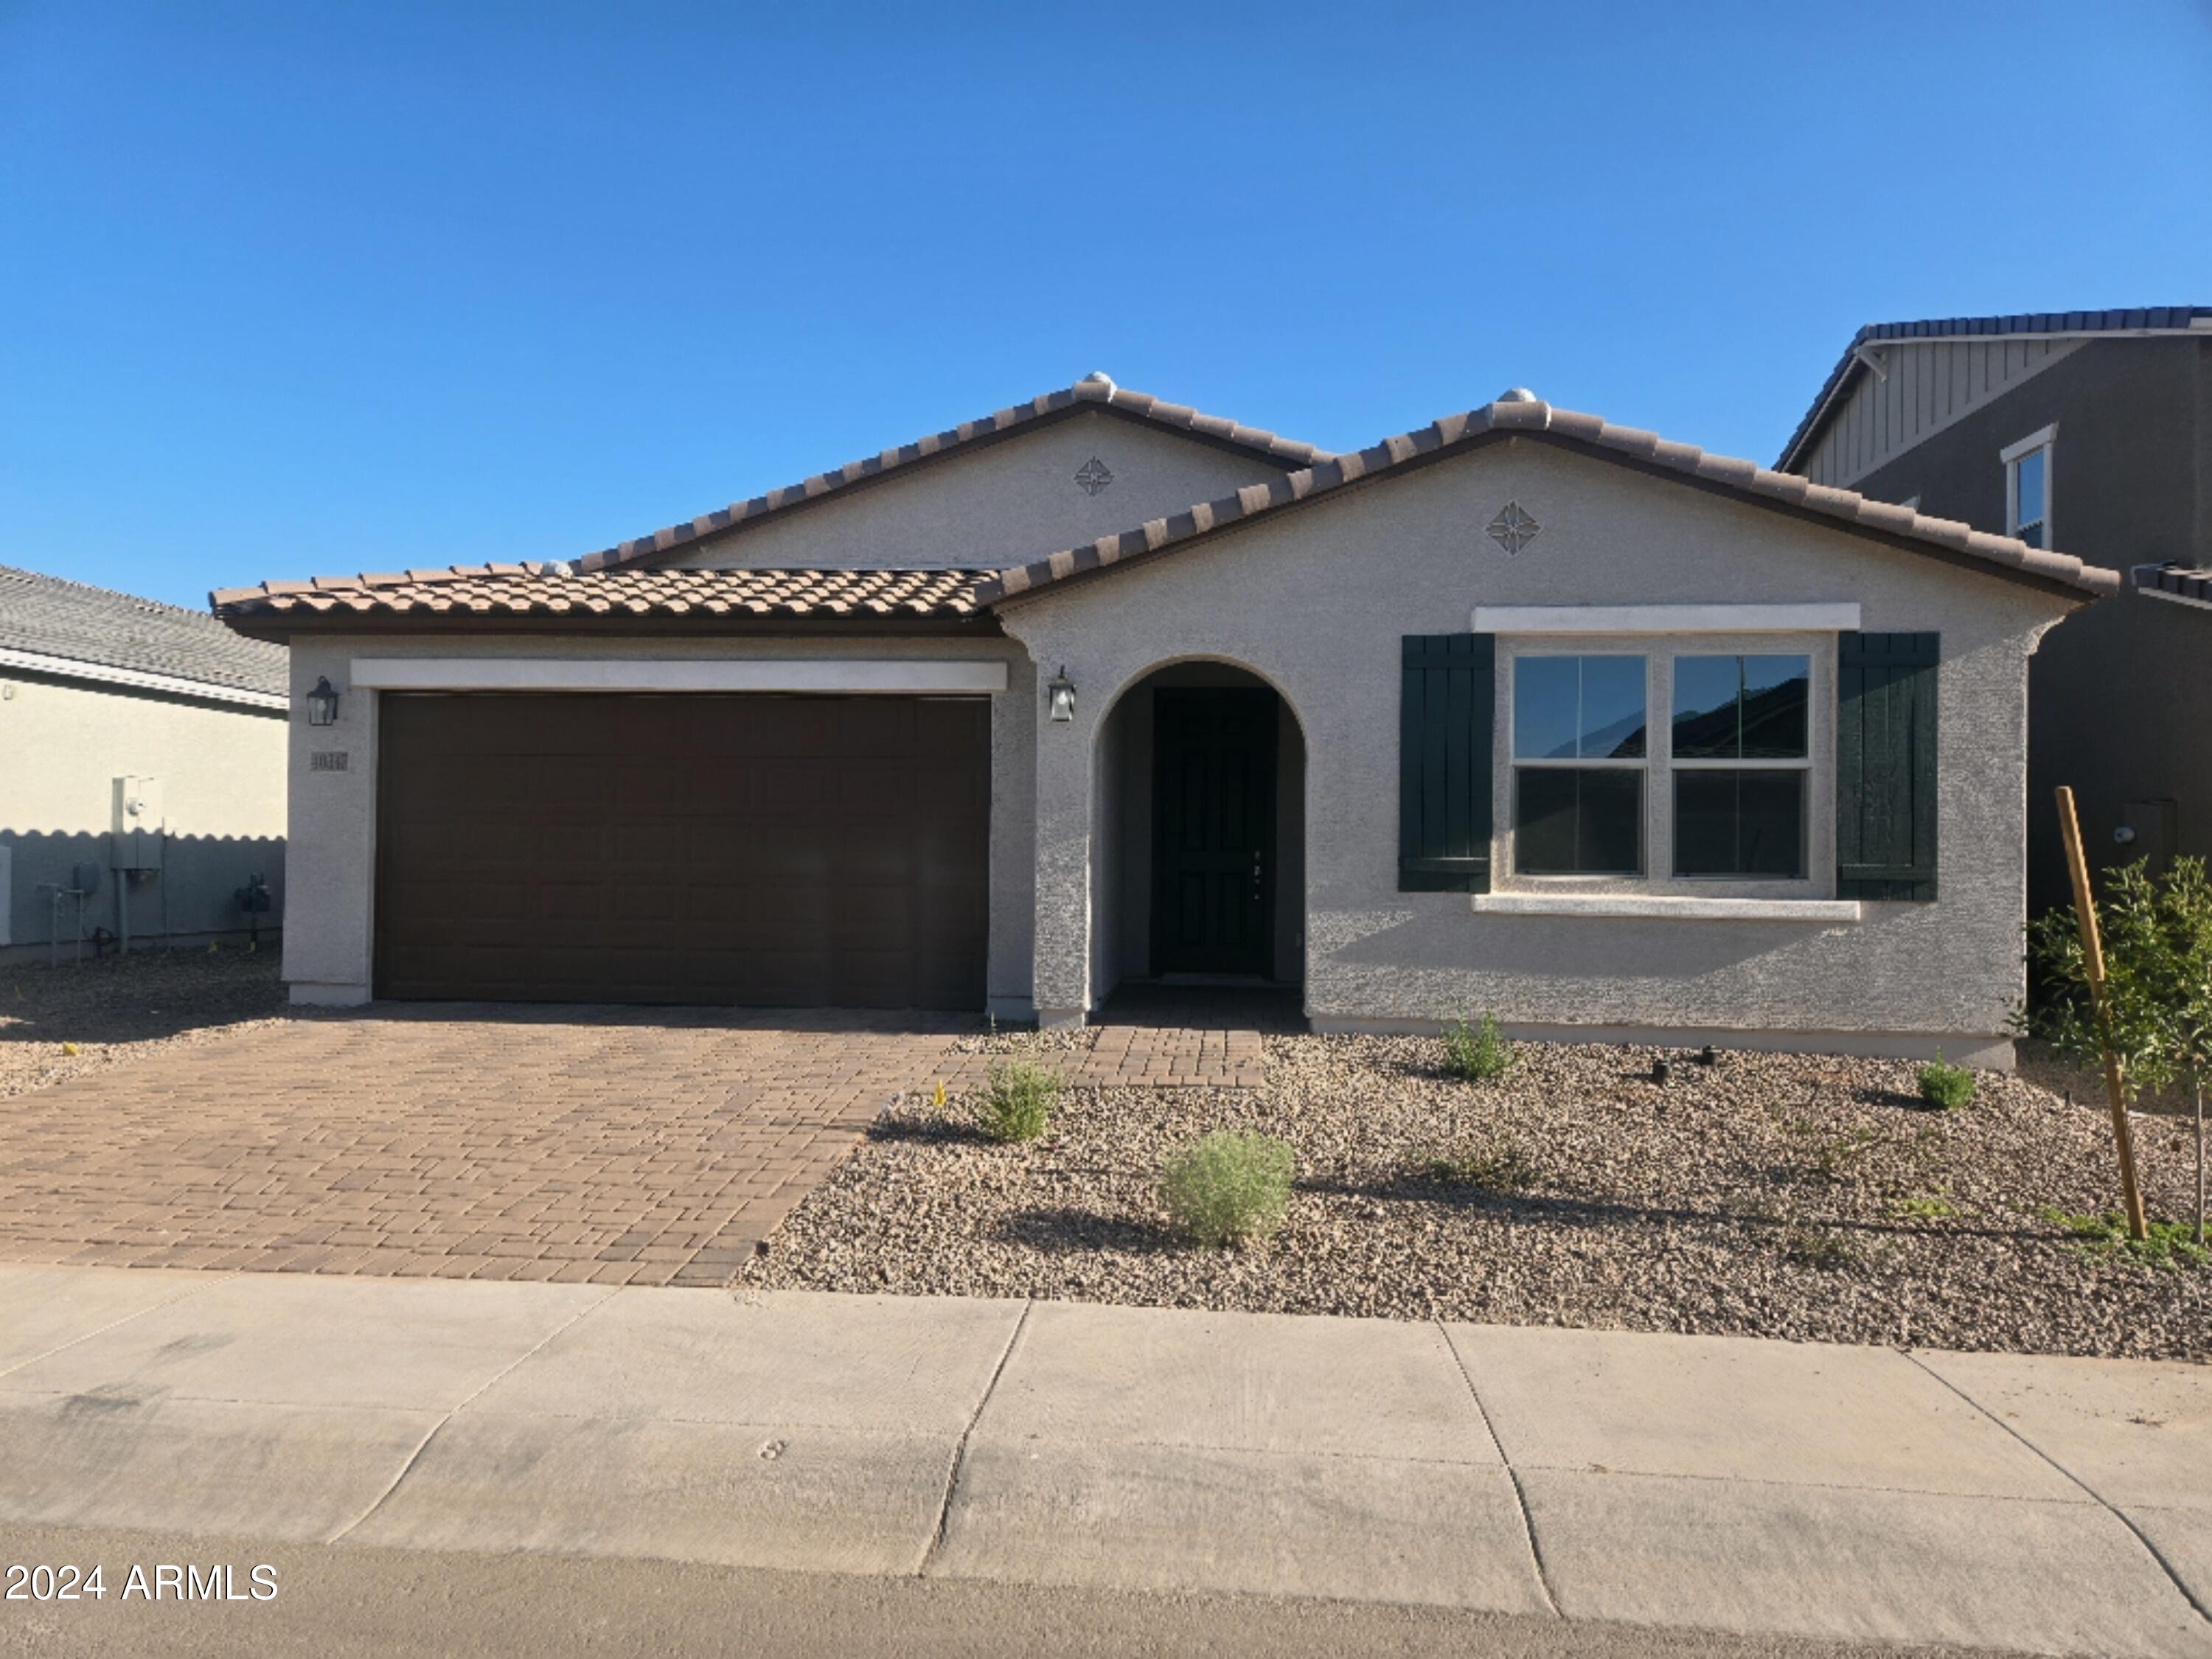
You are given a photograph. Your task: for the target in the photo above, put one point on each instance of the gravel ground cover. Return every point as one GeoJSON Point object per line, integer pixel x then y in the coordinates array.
{"type": "Point", "coordinates": [1808, 1197]}
{"type": "Point", "coordinates": [114, 1010]}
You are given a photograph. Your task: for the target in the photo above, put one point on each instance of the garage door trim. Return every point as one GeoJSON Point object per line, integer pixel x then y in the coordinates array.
{"type": "Point", "coordinates": [832, 676]}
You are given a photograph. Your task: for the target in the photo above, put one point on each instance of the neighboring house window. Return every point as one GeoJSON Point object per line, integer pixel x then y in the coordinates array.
{"type": "Point", "coordinates": [2027, 487]}
{"type": "Point", "coordinates": [1578, 763]}
{"type": "Point", "coordinates": [1742, 756]}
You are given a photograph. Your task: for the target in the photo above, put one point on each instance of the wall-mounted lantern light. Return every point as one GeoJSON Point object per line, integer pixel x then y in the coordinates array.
{"type": "Point", "coordinates": [322, 703]}
{"type": "Point", "coordinates": [1059, 697]}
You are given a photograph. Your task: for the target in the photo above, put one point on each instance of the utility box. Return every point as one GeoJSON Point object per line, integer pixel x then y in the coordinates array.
{"type": "Point", "coordinates": [139, 825]}
{"type": "Point", "coordinates": [2147, 830]}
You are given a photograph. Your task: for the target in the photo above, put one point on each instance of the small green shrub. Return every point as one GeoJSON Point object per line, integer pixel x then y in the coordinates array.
{"type": "Point", "coordinates": [1946, 1087]}
{"type": "Point", "coordinates": [1017, 1100]}
{"type": "Point", "coordinates": [1226, 1189]}
{"type": "Point", "coordinates": [1816, 1247]}
{"type": "Point", "coordinates": [1921, 1209]}
{"type": "Point", "coordinates": [1836, 1159]}
{"type": "Point", "coordinates": [1475, 1054]}
{"type": "Point", "coordinates": [2169, 1245]}
{"type": "Point", "coordinates": [1504, 1168]}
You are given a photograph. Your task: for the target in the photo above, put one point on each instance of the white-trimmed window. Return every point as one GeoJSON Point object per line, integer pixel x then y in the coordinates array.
{"type": "Point", "coordinates": [2027, 487]}
{"type": "Point", "coordinates": [1688, 762]}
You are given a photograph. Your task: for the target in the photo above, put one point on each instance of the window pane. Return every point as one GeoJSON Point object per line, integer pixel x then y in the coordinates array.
{"type": "Point", "coordinates": [1571, 707]}
{"type": "Point", "coordinates": [1775, 693]}
{"type": "Point", "coordinates": [1740, 823]}
{"type": "Point", "coordinates": [1771, 824]}
{"type": "Point", "coordinates": [1544, 820]}
{"type": "Point", "coordinates": [1706, 706]}
{"type": "Point", "coordinates": [1577, 822]}
{"type": "Point", "coordinates": [2032, 534]}
{"type": "Point", "coordinates": [1611, 833]}
{"type": "Point", "coordinates": [1612, 709]}
{"type": "Point", "coordinates": [1546, 691]}
{"type": "Point", "coordinates": [1705, 824]}
{"type": "Point", "coordinates": [2027, 486]}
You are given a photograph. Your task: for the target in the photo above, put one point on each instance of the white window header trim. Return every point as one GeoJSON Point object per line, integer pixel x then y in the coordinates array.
{"type": "Point", "coordinates": [1667, 618]}
{"type": "Point", "coordinates": [2033, 441]}
{"type": "Point", "coordinates": [880, 677]}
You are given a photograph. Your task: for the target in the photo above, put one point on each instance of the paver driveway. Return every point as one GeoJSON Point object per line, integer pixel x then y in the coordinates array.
{"type": "Point", "coordinates": [638, 1146]}
{"type": "Point", "coordinates": [626, 1146]}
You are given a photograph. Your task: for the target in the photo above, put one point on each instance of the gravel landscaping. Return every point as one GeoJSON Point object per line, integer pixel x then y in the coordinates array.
{"type": "Point", "coordinates": [114, 1010]}
{"type": "Point", "coordinates": [1809, 1197]}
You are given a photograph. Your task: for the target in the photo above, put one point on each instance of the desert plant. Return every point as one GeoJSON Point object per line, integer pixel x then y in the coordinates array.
{"type": "Point", "coordinates": [2166, 1244]}
{"type": "Point", "coordinates": [1018, 1097]}
{"type": "Point", "coordinates": [1921, 1209]}
{"type": "Point", "coordinates": [1228, 1189]}
{"type": "Point", "coordinates": [1504, 1168]}
{"type": "Point", "coordinates": [1946, 1087]}
{"type": "Point", "coordinates": [2157, 937]}
{"type": "Point", "coordinates": [1475, 1054]}
{"type": "Point", "coordinates": [1817, 1246]}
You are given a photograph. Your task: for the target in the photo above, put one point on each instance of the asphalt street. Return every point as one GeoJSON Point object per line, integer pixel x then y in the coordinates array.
{"type": "Point", "coordinates": [337, 1602]}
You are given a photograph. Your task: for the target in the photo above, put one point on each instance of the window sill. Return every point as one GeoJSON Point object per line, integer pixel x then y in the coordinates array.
{"type": "Point", "coordinates": [1679, 908]}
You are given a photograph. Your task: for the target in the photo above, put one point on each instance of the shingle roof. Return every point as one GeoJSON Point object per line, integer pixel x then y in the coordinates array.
{"type": "Point", "coordinates": [1526, 417]}
{"type": "Point", "coordinates": [2148, 319]}
{"type": "Point", "coordinates": [554, 590]}
{"type": "Point", "coordinates": [45, 617]}
{"type": "Point", "coordinates": [2180, 581]}
{"type": "Point", "coordinates": [1094, 390]}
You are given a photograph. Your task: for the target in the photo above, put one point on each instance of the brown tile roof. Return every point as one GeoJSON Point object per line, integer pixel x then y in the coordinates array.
{"type": "Point", "coordinates": [1526, 417]}
{"type": "Point", "coordinates": [553, 590]}
{"type": "Point", "coordinates": [1094, 390]}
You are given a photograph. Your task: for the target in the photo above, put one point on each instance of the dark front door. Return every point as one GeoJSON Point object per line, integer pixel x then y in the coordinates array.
{"type": "Point", "coordinates": [700, 848]}
{"type": "Point", "coordinates": [1214, 812]}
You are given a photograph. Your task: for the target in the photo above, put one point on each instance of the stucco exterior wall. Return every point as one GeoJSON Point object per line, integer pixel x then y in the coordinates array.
{"type": "Point", "coordinates": [1315, 601]}
{"type": "Point", "coordinates": [996, 504]}
{"type": "Point", "coordinates": [62, 742]}
{"type": "Point", "coordinates": [329, 952]}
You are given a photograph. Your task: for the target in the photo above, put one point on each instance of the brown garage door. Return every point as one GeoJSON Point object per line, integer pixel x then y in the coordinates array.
{"type": "Point", "coordinates": [700, 848]}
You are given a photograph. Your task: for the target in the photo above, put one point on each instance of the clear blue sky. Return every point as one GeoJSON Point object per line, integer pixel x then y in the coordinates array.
{"type": "Point", "coordinates": [315, 287]}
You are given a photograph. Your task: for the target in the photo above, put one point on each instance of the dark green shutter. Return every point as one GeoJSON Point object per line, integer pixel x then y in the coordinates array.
{"type": "Point", "coordinates": [1445, 709]}
{"type": "Point", "coordinates": [1886, 766]}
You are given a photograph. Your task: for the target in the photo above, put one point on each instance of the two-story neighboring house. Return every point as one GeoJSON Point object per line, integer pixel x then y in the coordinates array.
{"type": "Point", "coordinates": [2090, 431]}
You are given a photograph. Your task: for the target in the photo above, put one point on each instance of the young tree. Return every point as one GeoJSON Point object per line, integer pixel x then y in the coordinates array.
{"type": "Point", "coordinates": [2185, 919]}
{"type": "Point", "coordinates": [2125, 1034]}
{"type": "Point", "coordinates": [2157, 1017]}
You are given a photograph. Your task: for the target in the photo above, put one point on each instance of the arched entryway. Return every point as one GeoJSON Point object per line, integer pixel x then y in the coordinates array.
{"type": "Point", "coordinates": [1200, 874]}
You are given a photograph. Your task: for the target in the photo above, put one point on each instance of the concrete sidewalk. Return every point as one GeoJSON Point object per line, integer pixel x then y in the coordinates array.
{"type": "Point", "coordinates": [2049, 1505]}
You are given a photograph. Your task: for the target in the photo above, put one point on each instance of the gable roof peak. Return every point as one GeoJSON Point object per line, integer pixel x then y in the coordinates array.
{"type": "Point", "coordinates": [1589, 434]}
{"type": "Point", "coordinates": [1094, 390]}
{"type": "Point", "coordinates": [2143, 320]}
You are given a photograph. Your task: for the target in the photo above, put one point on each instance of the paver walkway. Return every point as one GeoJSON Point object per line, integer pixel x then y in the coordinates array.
{"type": "Point", "coordinates": [2060, 1505]}
{"type": "Point", "coordinates": [613, 1147]}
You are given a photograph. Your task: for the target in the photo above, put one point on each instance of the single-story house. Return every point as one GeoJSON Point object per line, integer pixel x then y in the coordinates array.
{"type": "Point", "coordinates": [142, 766]}
{"type": "Point", "coordinates": [1518, 712]}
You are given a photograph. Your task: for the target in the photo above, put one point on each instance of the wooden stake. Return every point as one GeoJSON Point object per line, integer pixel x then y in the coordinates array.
{"type": "Point", "coordinates": [2093, 962]}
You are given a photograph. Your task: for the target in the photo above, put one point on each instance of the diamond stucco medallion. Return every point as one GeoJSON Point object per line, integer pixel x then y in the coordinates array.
{"type": "Point", "coordinates": [1513, 529]}
{"type": "Point", "coordinates": [1093, 476]}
